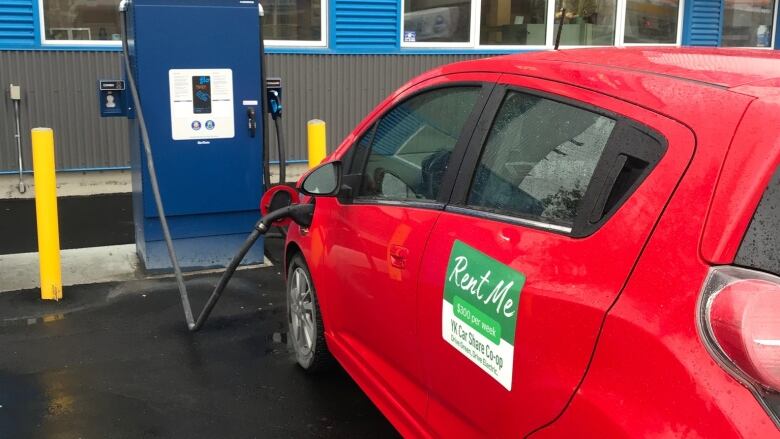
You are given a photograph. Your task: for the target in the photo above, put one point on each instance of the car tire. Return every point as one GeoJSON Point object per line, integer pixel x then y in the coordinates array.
{"type": "Point", "coordinates": [305, 330]}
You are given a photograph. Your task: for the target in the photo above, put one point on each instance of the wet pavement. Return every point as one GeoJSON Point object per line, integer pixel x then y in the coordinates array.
{"type": "Point", "coordinates": [116, 361]}
{"type": "Point", "coordinates": [93, 221]}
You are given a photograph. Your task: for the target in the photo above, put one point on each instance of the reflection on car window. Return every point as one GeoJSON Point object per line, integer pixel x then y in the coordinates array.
{"type": "Point", "coordinates": [413, 142]}
{"type": "Point", "coordinates": [539, 159]}
{"type": "Point", "coordinates": [355, 156]}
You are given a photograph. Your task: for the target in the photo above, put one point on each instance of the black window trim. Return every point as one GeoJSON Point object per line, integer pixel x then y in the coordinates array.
{"type": "Point", "coordinates": [747, 255]}
{"type": "Point", "coordinates": [456, 158]}
{"type": "Point", "coordinates": [506, 218]}
{"type": "Point", "coordinates": [581, 228]}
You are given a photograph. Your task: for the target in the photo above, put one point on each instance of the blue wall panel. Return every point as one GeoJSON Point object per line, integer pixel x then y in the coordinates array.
{"type": "Point", "coordinates": [703, 21]}
{"type": "Point", "coordinates": [17, 23]}
{"type": "Point", "coordinates": [774, 31]}
{"type": "Point", "coordinates": [360, 26]}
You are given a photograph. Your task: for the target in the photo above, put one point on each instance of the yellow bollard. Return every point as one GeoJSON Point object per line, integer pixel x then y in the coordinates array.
{"type": "Point", "coordinates": [46, 213]}
{"type": "Point", "coordinates": [317, 142]}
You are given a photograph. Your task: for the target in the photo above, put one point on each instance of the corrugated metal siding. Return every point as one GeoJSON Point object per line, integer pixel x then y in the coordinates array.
{"type": "Point", "coordinates": [366, 25]}
{"type": "Point", "coordinates": [17, 23]}
{"type": "Point", "coordinates": [703, 23]}
{"type": "Point", "coordinates": [59, 92]}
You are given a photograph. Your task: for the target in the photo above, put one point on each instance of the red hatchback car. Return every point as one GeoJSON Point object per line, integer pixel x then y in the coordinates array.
{"type": "Point", "coordinates": [571, 243]}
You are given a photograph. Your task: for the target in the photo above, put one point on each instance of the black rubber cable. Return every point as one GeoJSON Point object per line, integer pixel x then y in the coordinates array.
{"type": "Point", "coordinates": [282, 156]}
{"type": "Point", "coordinates": [264, 106]}
{"type": "Point", "coordinates": [261, 228]}
{"type": "Point", "coordinates": [185, 300]}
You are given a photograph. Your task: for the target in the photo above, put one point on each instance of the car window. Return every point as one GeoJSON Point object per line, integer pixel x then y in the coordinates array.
{"type": "Point", "coordinates": [538, 159]}
{"type": "Point", "coordinates": [355, 157]}
{"type": "Point", "coordinates": [760, 248]}
{"type": "Point", "coordinates": [412, 144]}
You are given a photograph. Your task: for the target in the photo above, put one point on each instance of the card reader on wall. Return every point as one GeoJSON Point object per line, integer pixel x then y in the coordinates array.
{"type": "Point", "coordinates": [112, 98]}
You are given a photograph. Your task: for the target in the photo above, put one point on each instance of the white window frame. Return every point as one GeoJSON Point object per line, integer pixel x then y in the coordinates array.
{"type": "Point", "coordinates": [85, 43]}
{"type": "Point", "coordinates": [323, 42]}
{"type": "Point", "coordinates": [774, 30]}
{"type": "Point", "coordinates": [475, 23]}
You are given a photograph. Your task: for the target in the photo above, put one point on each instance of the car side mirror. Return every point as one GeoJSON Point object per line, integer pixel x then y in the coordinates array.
{"type": "Point", "coordinates": [323, 181]}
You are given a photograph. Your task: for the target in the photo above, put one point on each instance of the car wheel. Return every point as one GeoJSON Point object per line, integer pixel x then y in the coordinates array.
{"type": "Point", "coordinates": [304, 325]}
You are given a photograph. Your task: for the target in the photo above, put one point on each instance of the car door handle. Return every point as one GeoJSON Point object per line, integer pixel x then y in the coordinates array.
{"type": "Point", "coordinates": [398, 256]}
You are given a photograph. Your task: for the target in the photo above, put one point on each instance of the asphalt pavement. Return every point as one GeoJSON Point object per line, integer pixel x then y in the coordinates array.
{"type": "Point", "coordinates": [93, 221]}
{"type": "Point", "coordinates": [116, 360]}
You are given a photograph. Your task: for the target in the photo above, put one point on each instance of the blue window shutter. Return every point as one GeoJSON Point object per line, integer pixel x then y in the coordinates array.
{"type": "Point", "coordinates": [17, 23]}
{"type": "Point", "coordinates": [366, 26]}
{"type": "Point", "coordinates": [703, 22]}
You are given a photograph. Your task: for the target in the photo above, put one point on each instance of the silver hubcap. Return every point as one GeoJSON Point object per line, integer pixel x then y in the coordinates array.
{"type": "Point", "coordinates": [302, 317]}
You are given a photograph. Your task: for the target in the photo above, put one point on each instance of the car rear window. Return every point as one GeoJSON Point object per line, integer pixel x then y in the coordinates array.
{"type": "Point", "coordinates": [539, 159]}
{"type": "Point", "coordinates": [760, 249]}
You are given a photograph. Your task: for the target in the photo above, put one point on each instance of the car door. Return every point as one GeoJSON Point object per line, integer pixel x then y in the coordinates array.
{"type": "Point", "coordinates": [557, 195]}
{"type": "Point", "coordinates": [398, 175]}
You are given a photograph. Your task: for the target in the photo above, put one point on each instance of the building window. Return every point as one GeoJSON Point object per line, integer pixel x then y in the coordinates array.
{"type": "Point", "coordinates": [96, 22]}
{"type": "Point", "coordinates": [586, 22]}
{"type": "Point", "coordinates": [515, 22]}
{"type": "Point", "coordinates": [294, 22]}
{"type": "Point", "coordinates": [437, 21]}
{"type": "Point", "coordinates": [748, 23]}
{"type": "Point", "coordinates": [652, 22]}
{"type": "Point", "coordinates": [533, 23]}
{"type": "Point", "coordinates": [78, 21]}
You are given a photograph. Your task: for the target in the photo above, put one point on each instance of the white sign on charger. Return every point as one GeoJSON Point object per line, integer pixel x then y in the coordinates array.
{"type": "Point", "coordinates": [201, 104]}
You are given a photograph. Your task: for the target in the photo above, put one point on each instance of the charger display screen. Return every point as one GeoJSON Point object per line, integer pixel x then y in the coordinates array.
{"type": "Point", "coordinates": [201, 94]}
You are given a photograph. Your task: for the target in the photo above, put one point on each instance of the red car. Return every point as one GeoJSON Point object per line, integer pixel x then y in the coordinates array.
{"type": "Point", "coordinates": [567, 244]}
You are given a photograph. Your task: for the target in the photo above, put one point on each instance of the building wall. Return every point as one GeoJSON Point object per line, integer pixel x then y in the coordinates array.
{"type": "Point", "coordinates": [363, 60]}
{"type": "Point", "coordinates": [59, 91]}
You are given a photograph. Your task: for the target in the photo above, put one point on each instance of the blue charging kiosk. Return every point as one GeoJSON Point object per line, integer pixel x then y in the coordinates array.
{"type": "Point", "coordinates": [198, 72]}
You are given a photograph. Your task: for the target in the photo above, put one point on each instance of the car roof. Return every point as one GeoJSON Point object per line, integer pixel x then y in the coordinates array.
{"type": "Point", "coordinates": [718, 67]}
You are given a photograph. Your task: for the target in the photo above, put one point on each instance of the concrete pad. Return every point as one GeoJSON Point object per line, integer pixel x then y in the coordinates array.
{"type": "Point", "coordinates": [70, 184]}
{"type": "Point", "coordinates": [85, 183]}
{"type": "Point", "coordinates": [293, 173]}
{"type": "Point", "coordinates": [79, 266]}
{"type": "Point", "coordinates": [84, 266]}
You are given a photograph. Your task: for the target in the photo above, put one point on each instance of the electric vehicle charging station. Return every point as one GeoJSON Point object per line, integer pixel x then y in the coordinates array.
{"type": "Point", "coordinates": [198, 70]}
{"type": "Point", "coordinates": [212, 168]}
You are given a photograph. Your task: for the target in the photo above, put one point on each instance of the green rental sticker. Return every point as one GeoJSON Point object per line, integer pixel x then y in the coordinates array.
{"type": "Point", "coordinates": [479, 315]}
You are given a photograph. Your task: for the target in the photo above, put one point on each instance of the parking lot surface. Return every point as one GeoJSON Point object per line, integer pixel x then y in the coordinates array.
{"type": "Point", "coordinates": [93, 221]}
{"type": "Point", "coordinates": [116, 360]}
